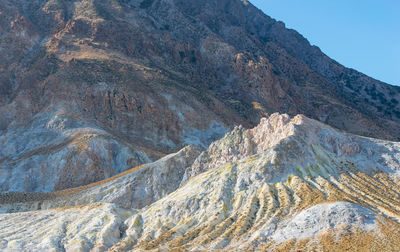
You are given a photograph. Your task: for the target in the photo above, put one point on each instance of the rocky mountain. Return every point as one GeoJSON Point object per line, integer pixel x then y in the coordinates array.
{"type": "Point", "coordinates": [92, 88]}
{"type": "Point", "coordinates": [136, 125]}
{"type": "Point", "coordinates": [288, 184]}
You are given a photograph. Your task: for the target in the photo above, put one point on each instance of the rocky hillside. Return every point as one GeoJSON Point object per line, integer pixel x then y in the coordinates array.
{"type": "Point", "coordinates": [287, 184]}
{"type": "Point", "coordinates": [92, 88]}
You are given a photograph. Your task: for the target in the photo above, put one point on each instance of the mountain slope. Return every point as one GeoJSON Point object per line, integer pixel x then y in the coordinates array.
{"type": "Point", "coordinates": [58, 147]}
{"type": "Point", "coordinates": [161, 74]}
{"type": "Point", "coordinates": [289, 183]}
{"type": "Point", "coordinates": [134, 188]}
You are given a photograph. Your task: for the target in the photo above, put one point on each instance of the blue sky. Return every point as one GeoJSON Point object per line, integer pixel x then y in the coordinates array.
{"type": "Point", "coordinates": [361, 34]}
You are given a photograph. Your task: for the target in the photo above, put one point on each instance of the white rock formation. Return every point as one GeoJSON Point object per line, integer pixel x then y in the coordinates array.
{"type": "Point", "coordinates": [287, 184]}
{"type": "Point", "coordinates": [97, 227]}
{"type": "Point", "coordinates": [312, 221]}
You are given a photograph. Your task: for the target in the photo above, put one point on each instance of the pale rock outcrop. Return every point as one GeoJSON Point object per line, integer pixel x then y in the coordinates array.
{"type": "Point", "coordinates": [322, 217]}
{"type": "Point", "coordinates": [299, 185]}
{"type": "Point", "coordinates": [88, 228]}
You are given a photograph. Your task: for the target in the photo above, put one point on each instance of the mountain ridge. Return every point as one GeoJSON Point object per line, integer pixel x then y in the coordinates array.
{"type": "Point", "coordinates": [251, 196]}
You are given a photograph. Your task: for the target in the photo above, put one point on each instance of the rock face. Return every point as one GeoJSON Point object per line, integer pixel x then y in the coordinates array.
{"type": "Point", "coordinates": [48, 154]}
{"type": "Point", "coordinates": [155, 75]}
{"type": "Point", "coordinates": [287, 184]}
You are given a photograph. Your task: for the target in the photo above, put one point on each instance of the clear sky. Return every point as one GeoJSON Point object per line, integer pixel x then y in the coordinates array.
{"type": "Point", "coordinates": [361, 34]}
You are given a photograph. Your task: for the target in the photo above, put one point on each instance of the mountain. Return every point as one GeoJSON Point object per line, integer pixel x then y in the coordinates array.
{"type": "Point", "coordinates": [287, 184]}
{"type": "Point", "coordinates": [92, 88]}
{"type": "Point", "coordinates": [136, 125]}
